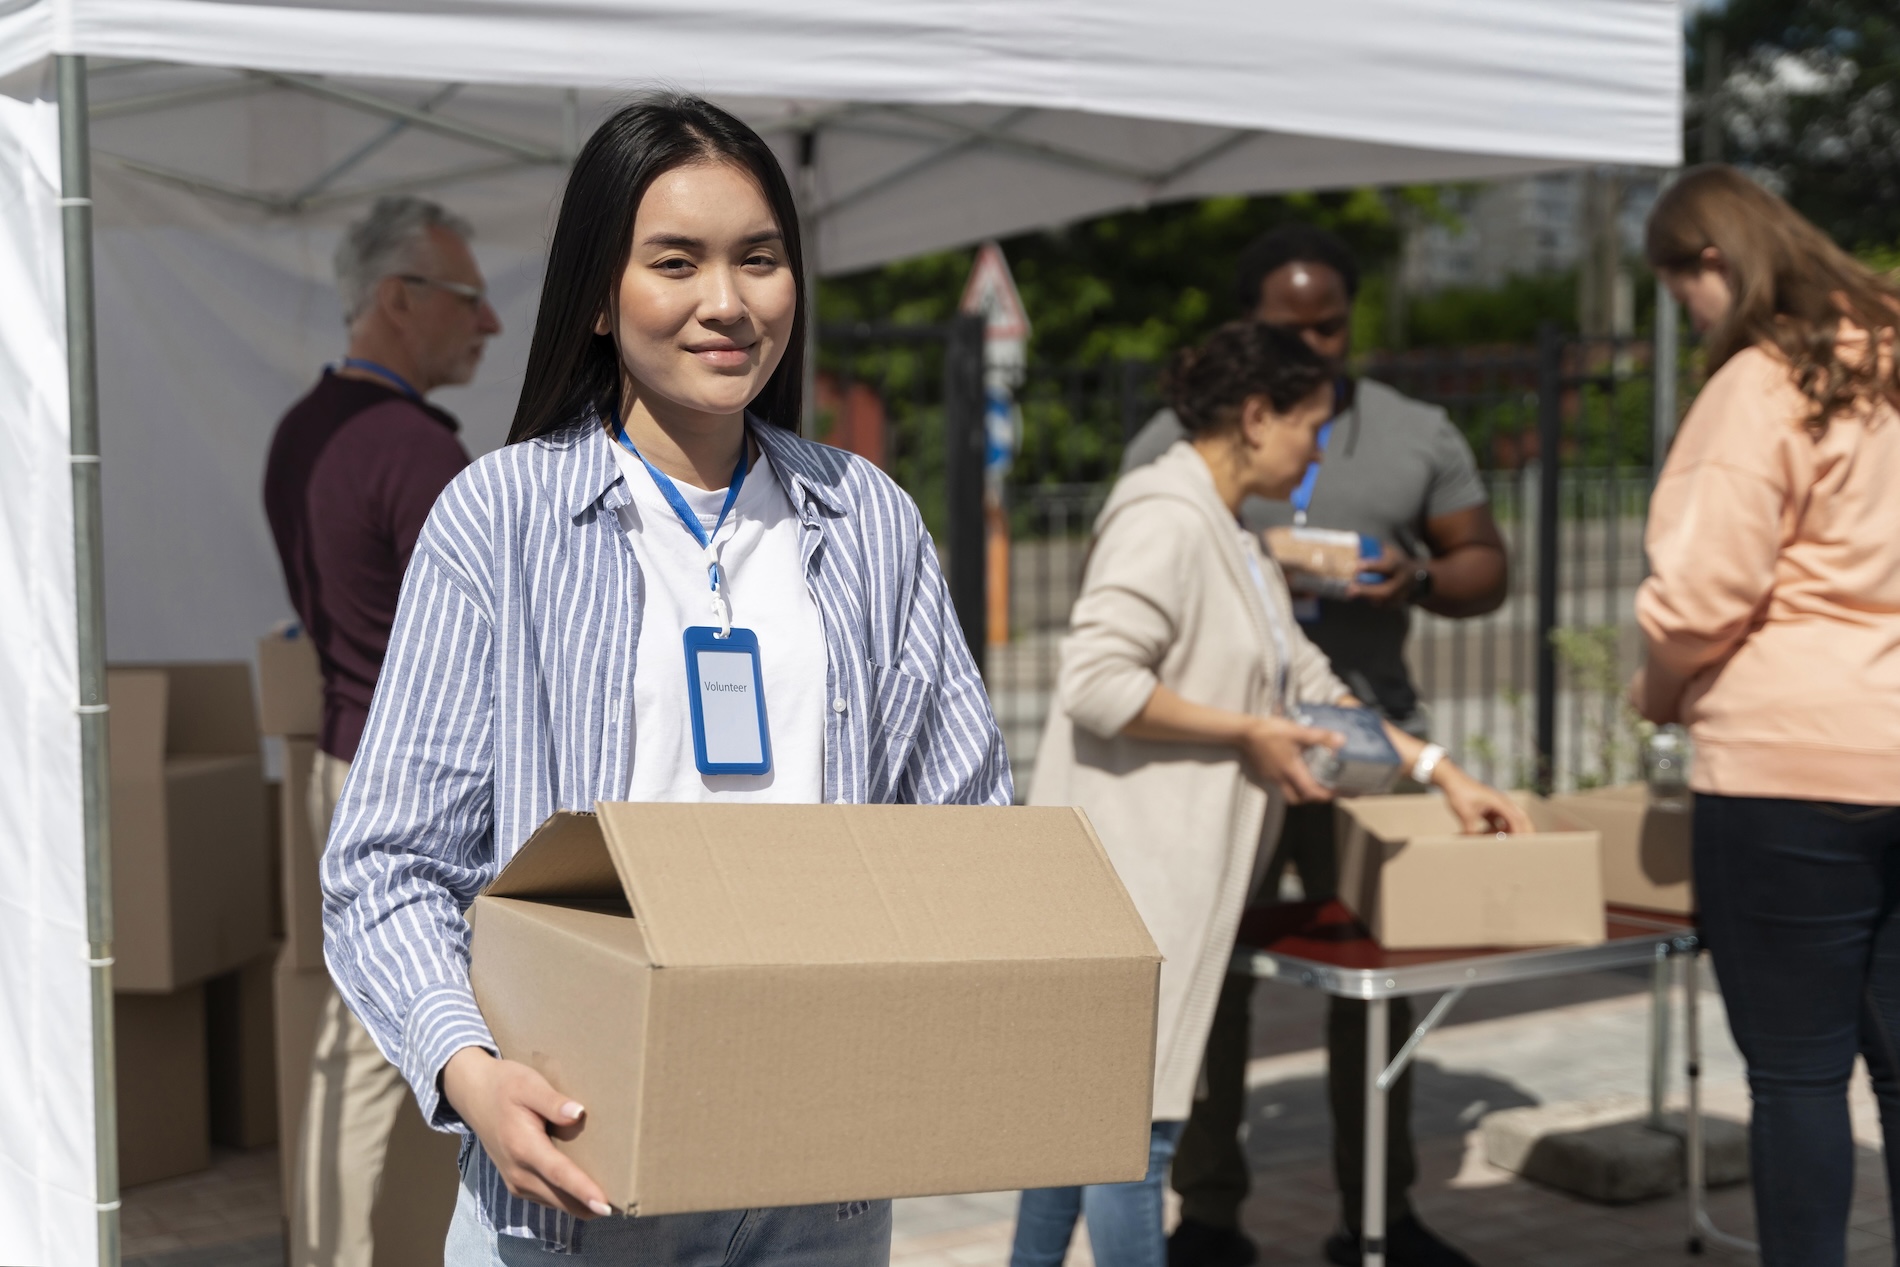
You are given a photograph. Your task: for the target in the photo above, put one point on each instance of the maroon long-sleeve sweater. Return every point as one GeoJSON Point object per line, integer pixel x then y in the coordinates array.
{"type": "Point", "coordinates": [353, 471]}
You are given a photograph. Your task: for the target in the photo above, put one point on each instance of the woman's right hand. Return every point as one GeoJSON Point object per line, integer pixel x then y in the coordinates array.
{"type": "Point", "coordinates": [512, 1110]}
{"type": "Point", "coordinates": [1275, 750]}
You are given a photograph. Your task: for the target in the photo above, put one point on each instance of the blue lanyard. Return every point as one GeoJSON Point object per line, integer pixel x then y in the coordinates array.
{"type": "Point", "coordinates": [400, 383]}
{"type": "Point", "coordinates": [675, 499]}
{"type": "Point", "coordinates": [1302, 496]}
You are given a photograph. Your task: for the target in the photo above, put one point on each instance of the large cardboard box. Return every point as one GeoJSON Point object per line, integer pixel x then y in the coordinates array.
{"type": "Point", "coordinates": [242, 1055]}
{"type": "Point", "coordinates": [773, 1004]}
{"type": "Point", "coordinates": [289, 684]}
{"type": "Point", "coordinates": [299, 854]}
{"type": "Point", "coordinates": [190, 839]}
{"type": "Point", "coordinates": [1646, 851]}
{"type": "Point", "coordinates": [1418, 883]}
{"type": "Point", "coordinates": [164, 1125]}
{"type": "Point", "coordinates": [416, 1200]}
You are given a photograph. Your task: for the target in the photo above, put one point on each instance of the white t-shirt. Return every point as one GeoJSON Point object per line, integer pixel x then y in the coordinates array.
{"type": "Point", "coordinates": [765, 584]}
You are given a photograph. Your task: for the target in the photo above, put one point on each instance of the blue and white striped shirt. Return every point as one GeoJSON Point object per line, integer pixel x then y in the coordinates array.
{"type": "Point", "coordinates": [507, 694]}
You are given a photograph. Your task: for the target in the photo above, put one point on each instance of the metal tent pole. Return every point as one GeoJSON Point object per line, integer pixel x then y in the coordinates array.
{"type": "Point", "coordinates": [1663, 373]}
{"type": "Point", "coordinates": [90, 600]}
{"type": "Point", "coordinates": [1550, 435]}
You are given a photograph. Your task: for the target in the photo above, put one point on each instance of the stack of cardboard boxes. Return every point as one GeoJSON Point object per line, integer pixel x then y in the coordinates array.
{"type": "Point", "coordinates": [192, 915]}
{"type": "Point", "coordinates": [417, 1196]}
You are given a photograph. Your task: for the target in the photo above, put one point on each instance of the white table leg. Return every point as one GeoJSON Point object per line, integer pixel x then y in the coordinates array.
{"type": "Point", "coordinates": [1372, 1214]}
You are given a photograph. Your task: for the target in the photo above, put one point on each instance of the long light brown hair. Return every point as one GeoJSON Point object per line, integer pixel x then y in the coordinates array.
{"type": "Point", "coordinates": [1792, 287]}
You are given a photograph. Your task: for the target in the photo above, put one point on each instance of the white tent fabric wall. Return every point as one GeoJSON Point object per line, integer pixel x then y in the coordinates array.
{"type": "Point", "coordinates": [46, 1149]}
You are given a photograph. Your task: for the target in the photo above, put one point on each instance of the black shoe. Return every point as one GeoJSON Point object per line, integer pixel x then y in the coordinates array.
{"type": "Point", "coordinates": [1408, 1243]}
{"type": "Point", "coordinates": [1204, 1245]}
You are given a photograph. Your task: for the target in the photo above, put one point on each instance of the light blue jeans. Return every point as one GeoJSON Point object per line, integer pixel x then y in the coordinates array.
{"type": "Point", "coordinates": [1125, 1219]}
{"type": "Point", "coordinates": [795, 1236]}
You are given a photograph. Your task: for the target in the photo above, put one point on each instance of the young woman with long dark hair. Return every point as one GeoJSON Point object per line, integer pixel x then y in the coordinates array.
{"type": "Point", "coordinates": [651, 489]}
{"type": "Point", "coordinates": [1772, 618]}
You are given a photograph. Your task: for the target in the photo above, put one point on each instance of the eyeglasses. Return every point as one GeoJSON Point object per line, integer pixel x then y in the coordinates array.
{"type": "Point", "coordinates": [472, 296]}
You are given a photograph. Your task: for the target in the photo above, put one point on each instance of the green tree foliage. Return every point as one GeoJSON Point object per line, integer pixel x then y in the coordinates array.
{"type": "Point", "coordinates": [1135, 285]}
{"type": "Point", "coordinates": [1811, 97]}
{"type": "Point", "coordinates": [1467, 316]}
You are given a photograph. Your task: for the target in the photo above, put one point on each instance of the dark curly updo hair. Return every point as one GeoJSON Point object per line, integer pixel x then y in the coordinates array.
{"type": "Point", "coordinates": [1207, 385]}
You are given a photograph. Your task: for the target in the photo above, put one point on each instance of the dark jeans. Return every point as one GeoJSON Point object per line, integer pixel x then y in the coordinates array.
{"type": "Point", "coordinates": [1797, 901]}
{"type": "Point", "coordinates": [1210, 1168]}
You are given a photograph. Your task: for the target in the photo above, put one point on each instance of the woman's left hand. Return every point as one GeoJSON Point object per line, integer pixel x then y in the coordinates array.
{"type": "Point", "coordinates": [1479, 808]}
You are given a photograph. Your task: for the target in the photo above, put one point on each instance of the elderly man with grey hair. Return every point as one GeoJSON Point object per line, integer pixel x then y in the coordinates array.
{"type": "Point", "coordinates": [354, 469]}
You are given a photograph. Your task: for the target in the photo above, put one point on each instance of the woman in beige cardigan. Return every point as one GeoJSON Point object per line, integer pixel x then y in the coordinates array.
{"type": "Point", "coordinates": [1171, 723]}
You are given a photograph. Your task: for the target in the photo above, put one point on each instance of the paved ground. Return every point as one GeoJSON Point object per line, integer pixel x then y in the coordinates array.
{"type": "Point", "coordinates": [1582, 1038]}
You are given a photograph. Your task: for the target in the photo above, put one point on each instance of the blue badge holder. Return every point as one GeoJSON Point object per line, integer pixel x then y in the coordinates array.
{"type": "Point", "coordinates": [700, 638]}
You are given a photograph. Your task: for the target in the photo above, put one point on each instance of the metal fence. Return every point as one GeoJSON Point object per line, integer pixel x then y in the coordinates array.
{"type": "Point", "coordinates": [1528, 695]}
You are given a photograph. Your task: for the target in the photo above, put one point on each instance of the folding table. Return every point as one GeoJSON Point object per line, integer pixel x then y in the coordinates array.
{"type": "Point", "coordinates": [1320, 946]}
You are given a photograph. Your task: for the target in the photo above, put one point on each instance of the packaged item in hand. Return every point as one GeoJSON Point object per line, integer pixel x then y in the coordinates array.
{"type": "Point", "coordinates": [1366, 765]}
{"type": "Point", "coordinates": [1323, 561]}
{"type": "Point", "coordinates": [1666, 756]}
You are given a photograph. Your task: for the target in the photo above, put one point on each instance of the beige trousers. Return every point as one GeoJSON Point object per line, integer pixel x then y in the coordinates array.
{"type": "Point", "coordinates": [349, 1109]}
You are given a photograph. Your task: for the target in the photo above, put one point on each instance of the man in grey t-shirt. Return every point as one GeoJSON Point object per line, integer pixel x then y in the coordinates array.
{"type": "Point", "coordinates": [1398, 471]}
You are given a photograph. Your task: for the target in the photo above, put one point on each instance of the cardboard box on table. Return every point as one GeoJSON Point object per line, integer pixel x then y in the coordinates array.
{"type": "Point", "coordinates": [774, 1004]}
{"type": "Point", "coordinates": [190, 842]}
{"type": "Point", "coordinates": [1646, 848]}
{"type": "Point", "coordinates": [164, 1124]}
{"type": "Point", "coordinates": [1411, 876]}
{"type": "Point", "coordinates": [417, 1197]}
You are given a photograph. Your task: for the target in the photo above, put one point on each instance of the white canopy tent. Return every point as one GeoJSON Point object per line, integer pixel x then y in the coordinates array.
{"type": "Point", "coordinates": [231, 139]}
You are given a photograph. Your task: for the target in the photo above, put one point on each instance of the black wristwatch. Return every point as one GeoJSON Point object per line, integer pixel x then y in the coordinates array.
{"type": "Point", "coordinates": [1421, 584]}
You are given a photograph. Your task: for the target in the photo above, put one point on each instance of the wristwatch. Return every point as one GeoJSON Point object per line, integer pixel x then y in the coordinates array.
{"type": "Point", "coordinates": [1421, 583]}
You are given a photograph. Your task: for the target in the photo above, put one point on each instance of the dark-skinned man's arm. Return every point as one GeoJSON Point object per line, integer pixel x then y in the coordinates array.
{"type": "Point", "coordinates": [1469, 569]}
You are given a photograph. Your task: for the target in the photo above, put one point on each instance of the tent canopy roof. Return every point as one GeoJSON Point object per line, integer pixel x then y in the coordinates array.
{"type": "Point", "coordinates": [935, 122]}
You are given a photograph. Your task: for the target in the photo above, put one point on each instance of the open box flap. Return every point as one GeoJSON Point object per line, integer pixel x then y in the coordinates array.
{"type": "Point", "coordinates": [824, 884]}
{"type": "Point", "coordinates": [565, 858]}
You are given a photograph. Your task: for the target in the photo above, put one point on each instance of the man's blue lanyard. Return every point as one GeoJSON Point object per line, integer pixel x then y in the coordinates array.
{"type": "Point", "coordinates": [677, 500]}
{"type": "Point", "coordinates": [1302, 496]}
{"type": "Point", "coordinates": [396, 380]}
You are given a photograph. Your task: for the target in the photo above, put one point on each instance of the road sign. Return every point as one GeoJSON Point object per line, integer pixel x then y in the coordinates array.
{"type": "Point", "coordinates": [992, 292]}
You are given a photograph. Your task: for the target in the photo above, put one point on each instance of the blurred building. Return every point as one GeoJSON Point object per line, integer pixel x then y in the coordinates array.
{"type": "Point", "coordinates": [1527, 227]}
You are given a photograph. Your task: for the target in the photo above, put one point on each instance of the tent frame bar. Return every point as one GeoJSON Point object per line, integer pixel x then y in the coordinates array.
{"type": "Point", "coordinates": [319, 193]}
{"type": "Point", "coordinates": [75, 178]}
{"type": "Point", "coordinates": [172, 98]}
{"type": "Point", "coordinates": [373, 103]}
{"type": "Point", "coordinates": [996, 136]}
{"type": "Point", "coordinates": [349, 162]}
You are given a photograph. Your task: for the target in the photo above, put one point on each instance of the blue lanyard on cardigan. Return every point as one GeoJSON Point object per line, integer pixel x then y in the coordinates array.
{"type": "Point", "coordinates": [396, 380]}
{"type": "Point", "coordinates": [677, 500]}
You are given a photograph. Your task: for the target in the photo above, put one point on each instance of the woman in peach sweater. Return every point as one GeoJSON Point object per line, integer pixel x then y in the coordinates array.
{"type": "Point", "coordinates": [1772, 619]}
